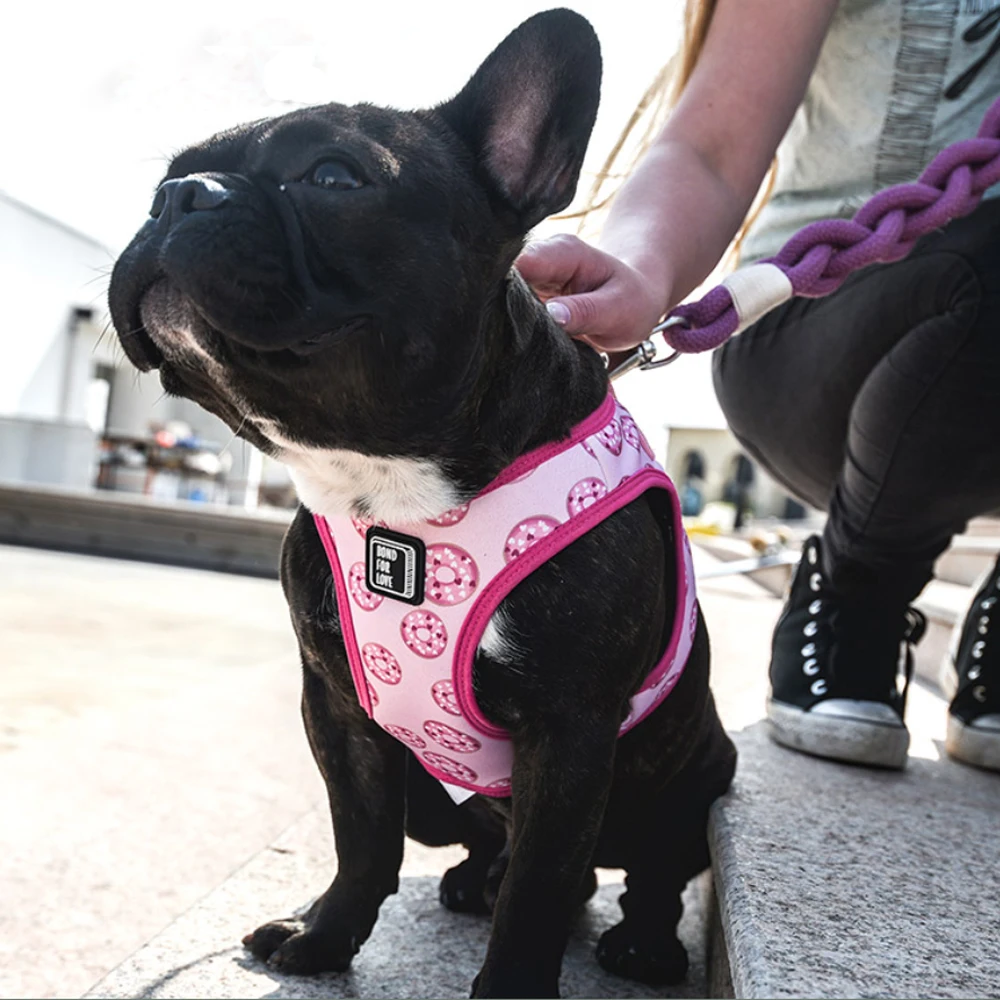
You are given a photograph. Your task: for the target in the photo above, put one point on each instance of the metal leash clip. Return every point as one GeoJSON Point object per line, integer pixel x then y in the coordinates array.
{"type": "Point", "coordinates": [644, 356]}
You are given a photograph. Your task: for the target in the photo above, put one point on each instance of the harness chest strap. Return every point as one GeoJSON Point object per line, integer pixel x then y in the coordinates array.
{"type": "Point", "coordinates": [412, 630]}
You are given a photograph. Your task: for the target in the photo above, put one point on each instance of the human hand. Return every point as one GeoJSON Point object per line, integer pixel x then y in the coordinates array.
{"type": "Point", "coordinates": [591, 294]}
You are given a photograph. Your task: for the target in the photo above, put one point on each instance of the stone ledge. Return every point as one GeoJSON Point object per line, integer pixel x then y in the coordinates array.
{"type": "Point", "coordinates": [126, 526]}
{"type": "Point", "coordinates": [842, 881]}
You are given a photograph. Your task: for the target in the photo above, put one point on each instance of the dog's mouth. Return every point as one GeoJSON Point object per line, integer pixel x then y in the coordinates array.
{"type": "Point", "coordinates": [166, 325]}
{"type": "Point", "coordinates": [169, 323]}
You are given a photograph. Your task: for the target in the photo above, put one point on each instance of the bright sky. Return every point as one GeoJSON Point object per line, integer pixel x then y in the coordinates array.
{"type": "Point", "coordinates": [96, 95]}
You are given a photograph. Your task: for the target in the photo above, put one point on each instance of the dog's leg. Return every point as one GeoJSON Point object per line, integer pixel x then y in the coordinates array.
{"type": "Point", "coordinates": [644, 946]}
{"type": "Point", "coordinates": [670, 847]}
{"type": "Point", "coordinates": [364, 770]}
{"type": "Point", "coordinates": [561, 779]}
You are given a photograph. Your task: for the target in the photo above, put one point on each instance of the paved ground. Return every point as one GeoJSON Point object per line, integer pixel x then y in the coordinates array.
{"type": "Point", "coordinates": [150, 745]}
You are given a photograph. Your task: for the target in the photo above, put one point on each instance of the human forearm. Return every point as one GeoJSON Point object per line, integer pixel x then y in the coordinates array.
{"type": "Point", "coordinates": [673, 219]}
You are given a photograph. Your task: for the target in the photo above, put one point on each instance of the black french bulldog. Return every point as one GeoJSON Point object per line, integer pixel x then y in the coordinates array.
{"type": "Point", "coordinates": [336, 285]}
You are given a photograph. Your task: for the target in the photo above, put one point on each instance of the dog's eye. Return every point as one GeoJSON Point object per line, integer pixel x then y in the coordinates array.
{"type": "Point", "coordinates": [335, 175]}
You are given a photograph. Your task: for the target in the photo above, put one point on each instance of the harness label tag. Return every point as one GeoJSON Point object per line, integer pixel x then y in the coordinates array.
{"type": "Point", "coordinates": [394, 565]}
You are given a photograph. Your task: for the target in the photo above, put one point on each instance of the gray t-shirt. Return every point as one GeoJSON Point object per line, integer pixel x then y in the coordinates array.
{"type": "Point", "coordinates": [896, 81]}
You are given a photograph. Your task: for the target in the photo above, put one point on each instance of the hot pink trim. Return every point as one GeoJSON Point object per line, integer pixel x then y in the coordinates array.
{"type": "Point", "coordinates": [344, 606]}
{"type": "Point", "coordinates": [505, 581]}
{"type": "Point", "coordinates": [680, 619]}
{"type": "Point", "coordinates": [532, 459]}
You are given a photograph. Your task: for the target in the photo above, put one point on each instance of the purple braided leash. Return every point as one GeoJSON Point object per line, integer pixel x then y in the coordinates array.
{"type": "Point", "coordinates": [818, 259]}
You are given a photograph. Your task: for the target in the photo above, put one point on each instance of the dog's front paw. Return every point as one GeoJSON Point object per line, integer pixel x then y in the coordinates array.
{"type": "Point", "coordinates": [625, 953]}
{"type": "Point", "coordinates": [288, 946]}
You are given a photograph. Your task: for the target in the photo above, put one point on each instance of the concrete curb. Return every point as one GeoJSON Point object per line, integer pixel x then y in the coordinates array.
{"type": "Point", "coordinates": [136, 527]}
{"type": "Point", "coordinates": [841, 881]}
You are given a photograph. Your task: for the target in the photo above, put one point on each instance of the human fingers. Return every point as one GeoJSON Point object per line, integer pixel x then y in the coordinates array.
{"type": "Point", "coordinates": [563, 264]}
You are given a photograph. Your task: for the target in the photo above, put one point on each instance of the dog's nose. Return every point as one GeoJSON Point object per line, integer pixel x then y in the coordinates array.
{"type": "Point", "coordinates": [177, 198]}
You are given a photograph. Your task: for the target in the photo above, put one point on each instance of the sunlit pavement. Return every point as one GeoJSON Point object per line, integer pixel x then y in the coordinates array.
{"type": "Point", "coordinates": [151, 745]}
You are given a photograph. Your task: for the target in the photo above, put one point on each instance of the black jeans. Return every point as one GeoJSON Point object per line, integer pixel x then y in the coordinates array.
{"type": "Point", "coordinates": [881, 404]}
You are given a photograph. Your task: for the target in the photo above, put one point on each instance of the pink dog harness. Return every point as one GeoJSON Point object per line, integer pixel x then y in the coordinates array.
{"type": "Point", "coordinates": [414, 602]}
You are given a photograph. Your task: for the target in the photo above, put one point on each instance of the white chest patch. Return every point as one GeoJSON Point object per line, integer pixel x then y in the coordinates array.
{"type": "Point", "coordinates": [337, 482]}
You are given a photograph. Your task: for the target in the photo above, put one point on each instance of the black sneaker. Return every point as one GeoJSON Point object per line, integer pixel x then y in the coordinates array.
{"type": "Point", "coordinates": [840, 671]}
{"type": "Point", "coordinates": [971, 678]}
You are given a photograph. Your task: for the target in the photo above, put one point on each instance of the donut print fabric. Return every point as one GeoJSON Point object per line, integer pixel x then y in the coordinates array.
{"type": "Point", "coordinates": [424, 633]}
{"type": "Point", "coordinates": [405, 735]}
{"type": "Point", "coordinates": [381, 663]}
{"type": "Point", "coordinates": [585, 493]}
{"type": "Point", "coordinates": [611, 437]}
{"type": "Point", "coordinates": [450, 738]}
{"type": "Point", "coordinates": [526, 534]}
{"type": "Point", "coordinates": [450, 517]}
{"type": "Point", "coordinates": [363, 597]}
{"type": "Point", "coordinates": [412, 664]}
{"type": "Point", "coordinates": [451, 573]}
{"type": "Point", "coordinates": [443, 693]}
{"type": "Point", "coordinates": [453, 768]}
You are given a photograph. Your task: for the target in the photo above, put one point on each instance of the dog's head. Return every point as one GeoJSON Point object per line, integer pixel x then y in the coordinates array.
{"type": "Point", "coordinates": [335, 281]}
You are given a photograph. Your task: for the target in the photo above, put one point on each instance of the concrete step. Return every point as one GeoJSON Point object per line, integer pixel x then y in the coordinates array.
{"type": "Point", "coordinates": [829, 880]}
{"type": "Point", "coordinates": [773, 576]}
{"type": "Point", "coordinates": [841, 881]}
{"type": "Point", "coordinates": [945, 605]}
{"type": "Point", "coordinates": [984, 526]}
{"type": "Point", "coordinates": [418, 948]}
{"type": "Point", "coordinates": [968, 557]}
{"type": "Point", "coordinates": [127, 526]}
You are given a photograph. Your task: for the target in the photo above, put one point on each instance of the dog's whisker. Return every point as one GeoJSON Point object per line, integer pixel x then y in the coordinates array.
{"type": "Point", "coordinates": [236, 434]}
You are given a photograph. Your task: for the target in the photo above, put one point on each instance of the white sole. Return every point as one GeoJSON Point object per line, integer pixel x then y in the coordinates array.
{"type": "Point", "coordinates": [973, 745]}
{"type": "Point", "coordinates": [839, 736]}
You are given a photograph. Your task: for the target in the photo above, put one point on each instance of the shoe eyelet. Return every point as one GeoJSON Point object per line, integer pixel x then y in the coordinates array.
{"type": "Point", "coordinates": [974, 671]}
{"type": "Point", "coordinates": [811, 667]}
{"type": "Point", "coordinates": [818, 687]}
{"type": "Point", "coordinates": [811, 629]}
{"type": "Point", "coordinates": [984, 625]}
{"type": "Point", "coordinates": [815, 607]}
{"type": "Point", "coordinates": [979, 693]}
{"type": "Point", "coordinates": [814, 582]}
{"type": "Point", "coordinates": [988, 603]}
{"type": "Point", "coordinates": [977, 649]}
{"type": "Point", "coordinates": [809, 649]}
{"type": "Point", "coordinates": [812, 556]}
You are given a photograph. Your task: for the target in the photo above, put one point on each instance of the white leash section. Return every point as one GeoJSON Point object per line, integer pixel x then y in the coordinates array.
{"type": "Point", "coordinates": [755, 290]}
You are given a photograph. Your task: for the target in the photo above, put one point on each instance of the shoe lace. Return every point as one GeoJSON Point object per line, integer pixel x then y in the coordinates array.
{"type": "Point", "coordinates": [913, 632]}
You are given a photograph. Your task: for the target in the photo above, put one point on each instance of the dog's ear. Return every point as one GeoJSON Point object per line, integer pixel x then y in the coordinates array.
{"type": "Point", "coordinates": [528, 111]}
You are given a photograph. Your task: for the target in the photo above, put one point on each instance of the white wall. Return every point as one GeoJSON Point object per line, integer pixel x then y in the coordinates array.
{"type": "Point", "coordinates": [47, 270]}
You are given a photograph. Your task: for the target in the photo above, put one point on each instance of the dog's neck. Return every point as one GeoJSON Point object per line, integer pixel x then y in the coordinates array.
{"type": "Point", "coordinates": [531, 385]}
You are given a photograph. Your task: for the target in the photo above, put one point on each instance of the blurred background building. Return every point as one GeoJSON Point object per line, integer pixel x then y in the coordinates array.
{"type": "Point", "coordinates": [74, 414]}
